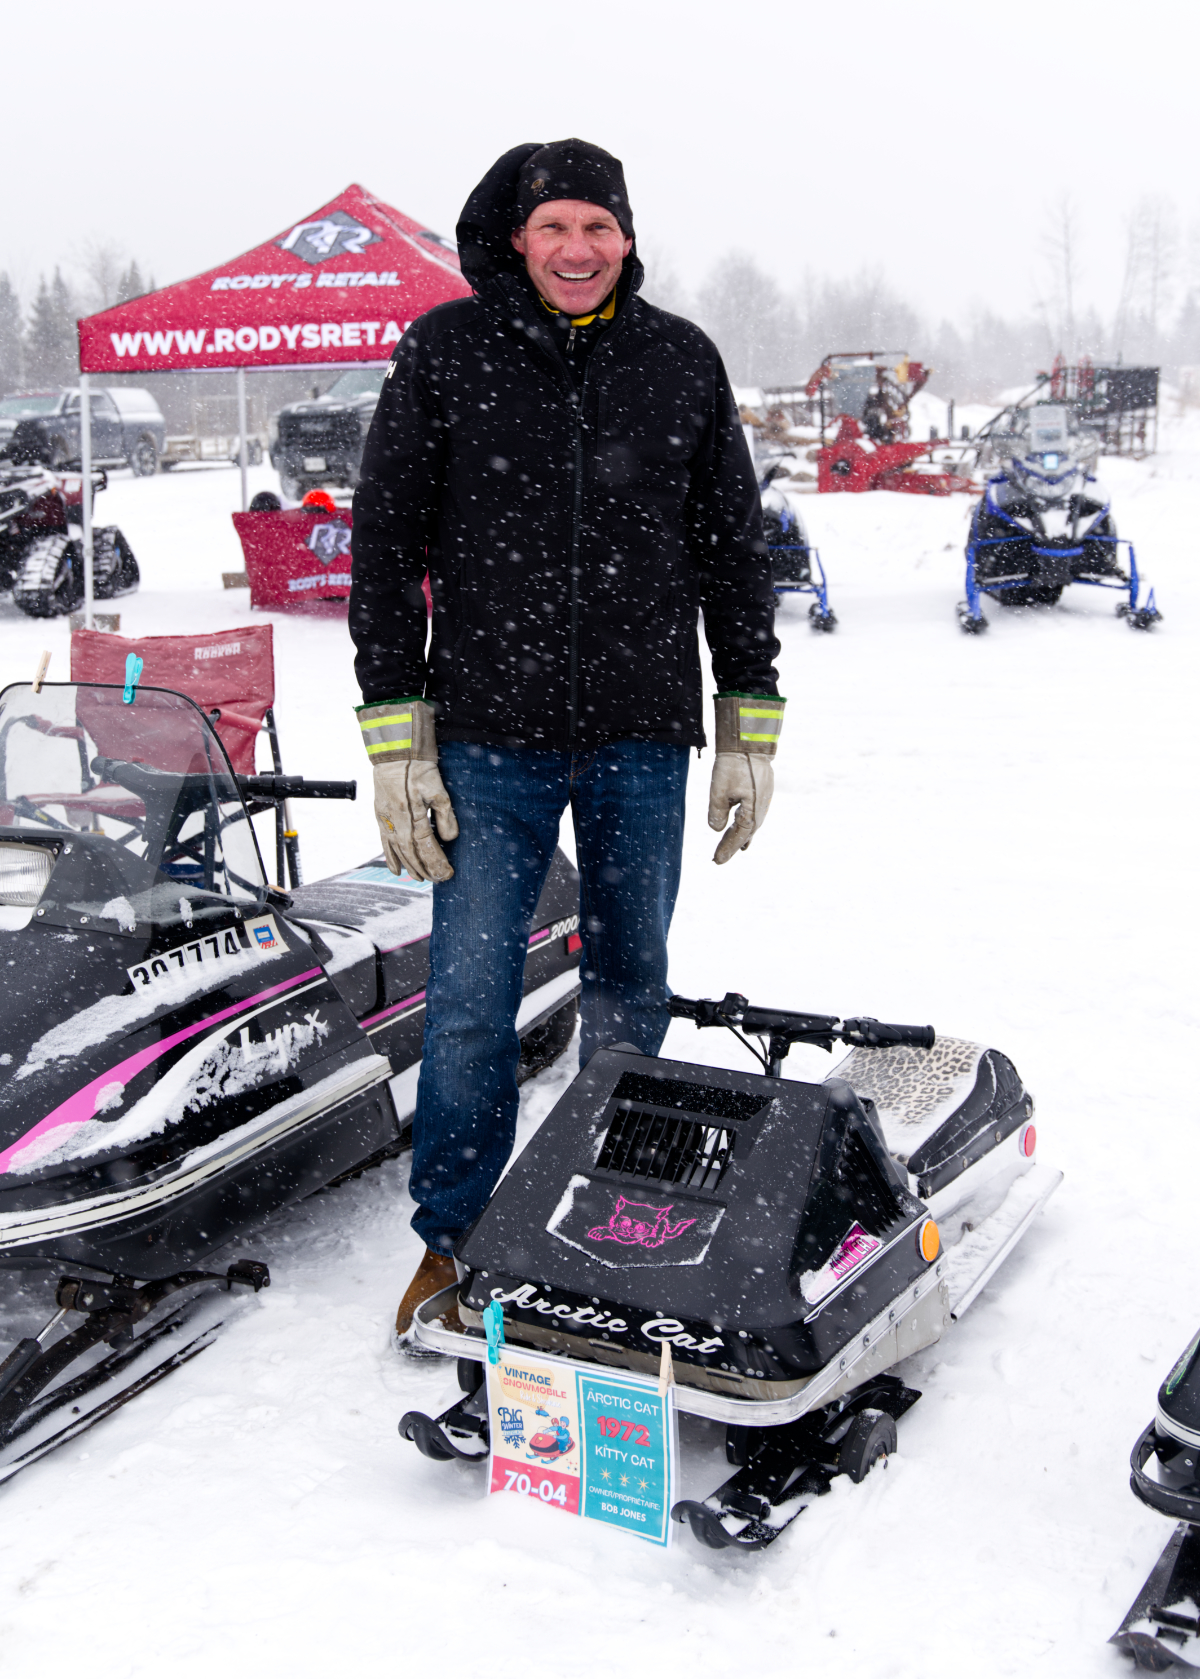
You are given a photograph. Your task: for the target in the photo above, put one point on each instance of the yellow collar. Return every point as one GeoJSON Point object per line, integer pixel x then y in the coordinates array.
{"type": "Point", "coordinates": [605, 314]}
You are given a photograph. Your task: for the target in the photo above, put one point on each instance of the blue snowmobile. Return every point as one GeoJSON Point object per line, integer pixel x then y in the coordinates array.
{"type": "Point", "coordinates": [1043, 523]}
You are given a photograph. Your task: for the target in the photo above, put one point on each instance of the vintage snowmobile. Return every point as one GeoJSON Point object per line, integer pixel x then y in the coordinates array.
{"type": "Point", "coordinates": [792, 556]}
{"type": "Point", "coordinates": [790, 1242]}
{"type": "Point", "coordinates": [186, 1048]}
{"type": "Point", "coordinates": [1162, 1629]}
{"type": "Point", "coordinates": [1043, 523]}
{"type": "Point", "coordinates": [41, 545]}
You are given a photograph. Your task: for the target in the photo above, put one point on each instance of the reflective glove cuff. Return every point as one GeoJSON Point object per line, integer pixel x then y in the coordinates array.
{"type": "Point", "coordinates": [749, 723]}
{"type": "Point", "coordinates": [398, 731]}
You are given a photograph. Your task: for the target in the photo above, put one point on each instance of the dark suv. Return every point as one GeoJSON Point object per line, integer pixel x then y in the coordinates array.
{"type": "Point", "coordinates": [321, 442]}
{"type": "Point", "coordinates": [41, 428]}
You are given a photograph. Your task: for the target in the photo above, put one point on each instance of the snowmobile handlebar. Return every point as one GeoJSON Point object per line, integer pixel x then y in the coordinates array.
{"type": "Point", "coordinates": [785, 1028]}
{"type": "Point", "coordinates": [294, 787]}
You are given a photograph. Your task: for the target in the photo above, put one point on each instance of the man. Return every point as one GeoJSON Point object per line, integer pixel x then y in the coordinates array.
{"type": "Point", "coordinates": [568, 463]}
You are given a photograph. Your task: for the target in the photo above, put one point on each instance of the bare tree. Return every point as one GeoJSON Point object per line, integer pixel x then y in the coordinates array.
{"type": "Point", "coordinates": [1149, 279]}
{"type": "Point", "coordinates": [104, 266]}
{"type": "Point", "coordinates": [1060, 245]}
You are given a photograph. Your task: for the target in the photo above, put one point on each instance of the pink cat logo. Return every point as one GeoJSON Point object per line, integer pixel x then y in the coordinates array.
{"type": "Point", "coordinates": [637, 1225]}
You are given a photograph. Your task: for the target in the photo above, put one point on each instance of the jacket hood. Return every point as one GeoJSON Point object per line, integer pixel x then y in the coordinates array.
{"type": "Point", "coordinates": [485, 227]}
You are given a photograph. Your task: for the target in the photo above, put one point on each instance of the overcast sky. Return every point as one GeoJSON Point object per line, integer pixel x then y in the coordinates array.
{"type": "Point", "coordinates": [925, 138]}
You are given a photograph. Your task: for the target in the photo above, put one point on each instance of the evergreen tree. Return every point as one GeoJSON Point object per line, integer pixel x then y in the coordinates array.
{"type": "Point", "coordinates": [131, 284]}
{"type": "Point", "coordinates": [51, 344]}
{"type": "Point", "coordinates": [10, 338]}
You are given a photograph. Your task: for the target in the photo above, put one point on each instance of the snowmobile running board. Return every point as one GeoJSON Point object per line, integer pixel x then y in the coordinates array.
{"type": "Point", "coordinates": [960, 1275]}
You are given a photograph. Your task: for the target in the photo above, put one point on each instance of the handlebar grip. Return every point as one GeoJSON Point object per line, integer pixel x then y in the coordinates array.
{"type": "Point", "coordinates": [684, 1008]}
{"type": "Point", "coordinates": [881, 1034]}
{"type": "Point", "coordinates": [295, 787]}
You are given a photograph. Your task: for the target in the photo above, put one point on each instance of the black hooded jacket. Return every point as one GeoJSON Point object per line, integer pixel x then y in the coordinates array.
{"type": "Point", "coordinates": [572, 531]}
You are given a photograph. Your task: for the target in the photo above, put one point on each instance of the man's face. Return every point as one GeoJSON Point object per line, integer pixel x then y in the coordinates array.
{"type": "Point", "coordinates": [573, 252]}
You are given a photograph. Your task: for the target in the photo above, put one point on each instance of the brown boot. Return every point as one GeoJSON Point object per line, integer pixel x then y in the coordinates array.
{"type": "Point", "coordinates": [434, 1273]}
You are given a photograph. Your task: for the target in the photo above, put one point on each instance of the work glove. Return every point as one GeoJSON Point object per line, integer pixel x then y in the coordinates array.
{"type": "Point", "coordinates": [402, 746]}
{"type": "Point", "coordinates": [743, 775]}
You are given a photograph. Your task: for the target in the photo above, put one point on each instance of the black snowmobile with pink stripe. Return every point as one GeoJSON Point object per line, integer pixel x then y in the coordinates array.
{"type": "Point", "coordinates": [186, 1047]}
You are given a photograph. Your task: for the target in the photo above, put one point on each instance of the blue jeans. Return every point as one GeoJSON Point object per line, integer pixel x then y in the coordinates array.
{"type": "Point", "coordinates": [627, 801]}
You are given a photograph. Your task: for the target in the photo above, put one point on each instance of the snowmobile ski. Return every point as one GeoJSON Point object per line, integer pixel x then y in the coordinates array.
{"type": "Point", "coordinates": [1162, 1628]}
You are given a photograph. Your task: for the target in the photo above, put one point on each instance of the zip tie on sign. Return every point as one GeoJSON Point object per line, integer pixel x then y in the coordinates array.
{"type": "Point", "coordinates": [493, 1323]}
{"type": "Point", "coordinates": [133, 675]}
{"type": "Point", "coordinates": [39, 676]}
{"type": "Point", "coordinates": [666, 1369]}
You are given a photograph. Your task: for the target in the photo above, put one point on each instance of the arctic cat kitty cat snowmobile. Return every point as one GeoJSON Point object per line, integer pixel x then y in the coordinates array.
{"type": "Point", "coordinates": [792, 555]}
{"type": "Point", "coordinates": [186, 1049]}
{"type": "Point", "coordinates": [1043, 523]}
{"type": "Point", "coordinates": [1162, 1629]}
{"type": "Point", "coordinates": [791, 1242]}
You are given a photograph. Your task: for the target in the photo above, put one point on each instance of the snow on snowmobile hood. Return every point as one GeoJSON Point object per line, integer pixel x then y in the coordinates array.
{"type": "Point", "coordinates": [484, 231]}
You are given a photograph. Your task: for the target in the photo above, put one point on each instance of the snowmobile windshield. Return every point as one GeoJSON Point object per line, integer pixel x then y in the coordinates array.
{"type": "Point", "coordinates": [137, 806]}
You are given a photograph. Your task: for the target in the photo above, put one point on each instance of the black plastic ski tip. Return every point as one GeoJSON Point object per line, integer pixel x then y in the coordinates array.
{"type": "Point", "coordinates": [431, 1440]}
{"type": "Point", "coordinates": [251, 1273]}
{"type": "Point", "coordinates": [708, 1526]}
{"type": "Point", "coordinates": [1170, 1590]}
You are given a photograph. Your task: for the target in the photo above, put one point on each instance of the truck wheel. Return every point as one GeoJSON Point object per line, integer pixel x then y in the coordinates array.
{"type": "Point", "coordinates": [144, 458]}
{"type": "Point", "coordinates": [50, 579]}
{"type": "Point", "coordinates": [57, 454]}
{"type": "Point", "coordinates": [254, 452]}
{"type": "Point", "coordinates": [114, 569]}
{"type": "Point", "coordinates": [293, 489]}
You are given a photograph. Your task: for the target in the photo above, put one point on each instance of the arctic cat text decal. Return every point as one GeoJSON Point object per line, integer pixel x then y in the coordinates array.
{"type": "Point", "coordinates": [854, 1249]}
{"type": "Point", "coordinates": [655, 1330]}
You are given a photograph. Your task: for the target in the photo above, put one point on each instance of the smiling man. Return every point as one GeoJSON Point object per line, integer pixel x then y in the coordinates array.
{"type": "Point", "coordinates": [566, 461]}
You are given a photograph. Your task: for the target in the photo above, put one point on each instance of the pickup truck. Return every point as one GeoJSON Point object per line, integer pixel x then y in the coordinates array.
{"type": "Point", "coordinates": [41, 428]}
{"type": "Point", "coordinates": [321, 442]}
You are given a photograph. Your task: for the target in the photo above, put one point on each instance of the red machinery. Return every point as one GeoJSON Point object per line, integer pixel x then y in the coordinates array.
{"type": "Point", "coordinates": [853, 463]}
{"type": "Point", "coordinates": [867, 393]}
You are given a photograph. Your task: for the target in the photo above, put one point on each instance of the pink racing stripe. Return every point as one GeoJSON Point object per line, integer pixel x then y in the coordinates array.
{"type": "Point", "coordinates": [81, 1107]}
{"type": "Point", "coordinates": [536, 938]}
{"type": "Point", "coordinates": [417, 997]}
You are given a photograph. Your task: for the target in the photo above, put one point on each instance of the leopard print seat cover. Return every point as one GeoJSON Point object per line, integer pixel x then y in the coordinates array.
{"type": "Point", "coordinates": [914, 1090]}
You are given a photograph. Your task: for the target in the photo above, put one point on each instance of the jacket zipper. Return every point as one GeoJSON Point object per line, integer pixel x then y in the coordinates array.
{"type": "Point", "coordinates": [576, 520]}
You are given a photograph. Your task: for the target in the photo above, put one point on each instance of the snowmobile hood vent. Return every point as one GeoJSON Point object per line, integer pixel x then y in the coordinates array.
{"type": "Point", "coordinates": [24, 873]}
{"type": "Point", "coordinates": [666, 1148]}
{"type": "Point", "coordinates": [691, 1098]}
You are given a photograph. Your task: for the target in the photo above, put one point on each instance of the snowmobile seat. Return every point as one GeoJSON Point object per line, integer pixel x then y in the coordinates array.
{"type": "Point", "coordinates": [929, 1104]}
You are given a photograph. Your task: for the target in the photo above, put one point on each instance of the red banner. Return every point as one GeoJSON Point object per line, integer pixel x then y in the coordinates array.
{"type": "Point", "coordinates": [297, 561]}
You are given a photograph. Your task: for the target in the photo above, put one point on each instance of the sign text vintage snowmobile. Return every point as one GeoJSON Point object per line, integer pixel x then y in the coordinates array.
{"type": "Point", "coordinates": [185, 1048]}
{"type": "Point", "coordinates": [790, 1242]}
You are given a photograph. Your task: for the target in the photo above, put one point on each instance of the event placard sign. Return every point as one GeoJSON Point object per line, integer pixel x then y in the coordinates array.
{"type": "Point", "coordinates": [601, 1445]}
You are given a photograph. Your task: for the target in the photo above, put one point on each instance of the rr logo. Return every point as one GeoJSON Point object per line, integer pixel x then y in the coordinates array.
{"type": "Point", "coordinates": [334, 235]}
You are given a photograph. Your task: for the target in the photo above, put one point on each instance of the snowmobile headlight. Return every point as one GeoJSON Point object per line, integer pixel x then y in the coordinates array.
{"type": "Point", "coordinates": [24, 873]}
{"type": "Point", "coordinates": [1050, 462]}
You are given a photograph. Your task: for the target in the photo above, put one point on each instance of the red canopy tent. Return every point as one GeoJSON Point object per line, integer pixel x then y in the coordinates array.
{"type": "Point", "coordinates": [339, 287]}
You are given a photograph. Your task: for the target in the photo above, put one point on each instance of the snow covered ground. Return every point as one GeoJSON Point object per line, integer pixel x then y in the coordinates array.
{"type": "Point", "coordinates": [996, 835]}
